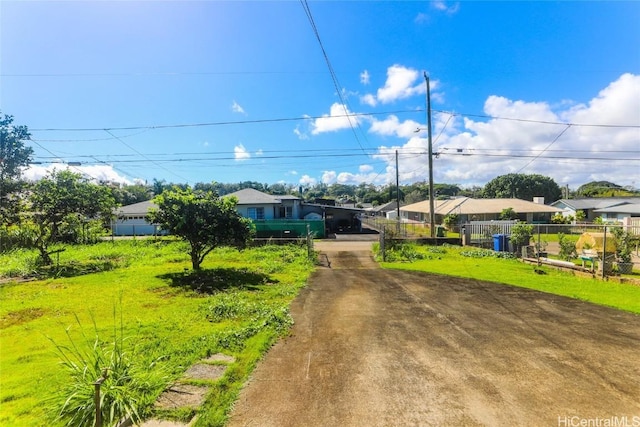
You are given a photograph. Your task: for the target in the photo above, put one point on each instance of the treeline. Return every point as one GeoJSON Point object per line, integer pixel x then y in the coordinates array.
{"type": "Point", "coordinates": [521, 186]}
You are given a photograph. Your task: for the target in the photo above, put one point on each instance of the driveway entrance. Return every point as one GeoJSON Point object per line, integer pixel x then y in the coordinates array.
{"type": "Point", "coordinates": [374, 347]}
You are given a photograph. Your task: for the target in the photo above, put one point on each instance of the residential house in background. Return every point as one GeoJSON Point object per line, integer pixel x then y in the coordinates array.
{"type": "Point", "coordinates": [609, 208]}
{"type": "Point", "coordinates": [131, 220]}
{"type": "Point", "coordinates": [469, 209]}
{"type": "Point", "coordinates": [388, 210]}
{"type": "Point", "coordinates": [279, 216]}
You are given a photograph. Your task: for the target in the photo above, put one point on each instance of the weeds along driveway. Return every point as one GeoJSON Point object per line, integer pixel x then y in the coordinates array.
{"type": "Point", "coordinates": [374, 347]}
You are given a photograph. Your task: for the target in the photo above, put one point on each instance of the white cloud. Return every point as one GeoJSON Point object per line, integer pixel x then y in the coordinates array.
{"type": "Point", "coordinates": [392, 126]}
{"type": "Point", "coordinates": [422, 18]}
{"type": "Point", "coordinates": [339, 118]}
{"type": "Point", "coordinates": [307, 180]}
{"type": "Point", "coordinates": [365, 79]}
{"type": "Point", "coordinates": [402, 82]}
{"type": "Point", "coordinates": [474, 152]}
{"type": "Point", "coordinates": [329, 177]}
{"type": "Point", "coordinates": [293, 172]}
{"type": "Point", "coordinates": [241, 153]}
{"type": "Point", "coordinates": [98, 173]}
{"type": "Point", "coordinates": [365, 168]}
{"type": "Point", "coordinates": [236, 108]}
{"type": "Point", "coordinates": [301, 135]}
{"type": "Point", "coordinates": [369, 99]}
{"type": "Point", "coordinates": [442, 6]}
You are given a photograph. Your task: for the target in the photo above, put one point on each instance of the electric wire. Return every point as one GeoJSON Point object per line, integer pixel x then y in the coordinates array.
{"type": "Point", "coordinates": [158, 161]}
{"type": "Point", "coordinates": [84, 173]}
{"type": "Point", "coordinates": [351, 114]}
{"type": "Point", "coordinates": [154, 162]}
{"type": "Point", "coordinates": [332, 73]}
{"type": "Point", "coordinates": [545, 149]}
{"type": "Point", "coordinates": [222, 123]}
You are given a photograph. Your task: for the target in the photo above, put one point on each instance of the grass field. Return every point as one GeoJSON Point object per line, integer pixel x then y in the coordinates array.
{"type": "Point", "coordinates": [480, 265]}
{"type": "Point", "coordinates": [143, 290]}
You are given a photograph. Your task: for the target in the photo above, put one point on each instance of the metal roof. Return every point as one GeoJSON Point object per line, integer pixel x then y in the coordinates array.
{"type": "Point", "coordinates": [140, 208]}
{"type": "Point", "coordinates": [469, 206]}
{"type": "Point", "coordinates": [596, 202]}
{"type": "Point", "coordinates": [250, 196]}
{"type": "Point", "coordinates": [625, 208]}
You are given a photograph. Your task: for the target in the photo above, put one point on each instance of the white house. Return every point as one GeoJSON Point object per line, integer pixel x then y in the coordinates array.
{"type": "Point", "coordinates": [131, 220]}
{"type": "Point", "coordinates": [609, 208]}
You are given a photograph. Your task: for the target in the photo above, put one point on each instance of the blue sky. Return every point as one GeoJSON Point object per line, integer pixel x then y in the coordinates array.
{"type": "Point", "coordinates": [241, 91]}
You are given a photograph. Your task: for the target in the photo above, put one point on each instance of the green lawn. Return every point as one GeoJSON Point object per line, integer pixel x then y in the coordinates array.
{"type": "Point", "coordinates": [449, 260]}
{"type": "Point", "coordinates": [238, 306]}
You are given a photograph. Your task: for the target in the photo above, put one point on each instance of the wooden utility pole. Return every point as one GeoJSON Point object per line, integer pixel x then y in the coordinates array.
{"type": "Point", "coordinates": [432, 213]}
{"type": "Point", "coordinates": [397, 187]}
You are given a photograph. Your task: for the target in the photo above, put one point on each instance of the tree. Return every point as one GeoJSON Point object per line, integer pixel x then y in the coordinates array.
{"type": "Point", "coordinates": [473, 192]}
{"type": "Point", "coordinates": [522, 186]}
{"type": "Point", "coordinates": [203, 219]}
{"type": "Point", "coordinates": [130, 194]}
{"type": "Point", "coordinates": [13, 157]}
{"type": "Point", "coordinates": [603, 189]}
{"type": "Point", "coordinates": [414, 196]}
{"type": "Point", "coordinates": [508, 213]}
{"type": "Point", "coordinates": [66, 198]}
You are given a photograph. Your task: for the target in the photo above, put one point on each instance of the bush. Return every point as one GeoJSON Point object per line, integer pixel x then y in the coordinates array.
{"type": "Point", "coordinates": [567, 248]}
{"type": "Point", "coordinates": [521, 235]}
{"type": "Point", "coordinates": [127, 391]}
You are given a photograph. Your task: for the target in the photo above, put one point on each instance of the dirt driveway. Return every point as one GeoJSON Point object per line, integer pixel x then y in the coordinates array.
{"type": "Point", "coordinates": [374, 347]}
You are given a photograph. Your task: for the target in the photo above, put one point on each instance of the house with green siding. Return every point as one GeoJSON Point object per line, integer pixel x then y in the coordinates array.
{"type": "Point", "coordinates": [276, 216]}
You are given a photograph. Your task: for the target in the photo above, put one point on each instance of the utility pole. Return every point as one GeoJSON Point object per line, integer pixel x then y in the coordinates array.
{"type": "Point", "coordinates": [432, 213]}
{"type": "Point", "coordinates": [397, 192]}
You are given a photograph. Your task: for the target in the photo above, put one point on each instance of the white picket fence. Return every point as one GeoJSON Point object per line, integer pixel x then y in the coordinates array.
{"type": "Point", "coordinates": [631, 225]}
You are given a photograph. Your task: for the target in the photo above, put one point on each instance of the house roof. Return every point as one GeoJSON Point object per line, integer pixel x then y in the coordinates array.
{"type": "Point", "coordinates": [469, 206]}
{"type": "Point", "coordinates": [250, 196]}
{"type": "Point", "coordinates": [625, 208]}
{"type": "Point", "coordinates": [389, 206]}
{"type": "Point", "coordinates": [596, 202]}
{"type": "Point", "coordinates": [140, 208]}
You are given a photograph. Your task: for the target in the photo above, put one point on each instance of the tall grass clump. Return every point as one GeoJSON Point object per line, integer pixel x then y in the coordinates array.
{"type": "Point", "coordinates": [128, 389]}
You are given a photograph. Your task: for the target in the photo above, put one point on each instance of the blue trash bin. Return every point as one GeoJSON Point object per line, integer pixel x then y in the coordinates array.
{"type": "Point", "coordinates": [500, 242]}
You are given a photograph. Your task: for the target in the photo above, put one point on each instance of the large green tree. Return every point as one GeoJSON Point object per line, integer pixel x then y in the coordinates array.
{"type": "Point", "coordinates": [65, 198]}
{"type": "Point", "coordinates": [522, 186]}
{"type": "Point", "coordinates": [14, 156]}
{"type": "Point", "coordinates": [603, 189]}
{"type": "Point", "coordinates": [203, 219]}
{"type": "Point", "coordinates": [130, 194]}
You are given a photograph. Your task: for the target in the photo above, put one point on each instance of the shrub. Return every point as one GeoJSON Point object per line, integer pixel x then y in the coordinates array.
{"type": "Point", "coordinates": [521, 235]}
{"type": "Point", "coordinates": [126, 392]}
{"type": "Point", "coordinates": [567, 247]}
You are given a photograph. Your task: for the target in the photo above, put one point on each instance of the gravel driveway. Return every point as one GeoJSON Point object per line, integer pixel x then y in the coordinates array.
{"type": "Point", "coordinates": [374, 347]}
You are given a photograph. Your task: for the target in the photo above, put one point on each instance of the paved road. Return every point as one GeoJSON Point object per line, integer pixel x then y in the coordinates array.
{"type": "Point", "coordinates": [374, 347]}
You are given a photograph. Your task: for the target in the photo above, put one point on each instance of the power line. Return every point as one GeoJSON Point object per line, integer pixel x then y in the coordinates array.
{"type": "Point", "coordinates": [545, 149]}
{"type": "Point", "coordinates": [68, 164]}
{"type": "Point", "coordinates": [289, 119]}
{"type": "Point", "coordinates": [524, 156]}
{"type": "Point", "coordinates": [227, 156]}
{"type": "Point", "coordinates": [159, 74]}
{"type": "Point", "coordinates": [546, 122]}
{"type": "Point", "coordinates": [136, 151]}
{"type": "Point", "coordinates": [223, 123]}
{"type": "Point", "coordinates": [332, 72]}
{"type": "Point", "coordinates": [402, 151]}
